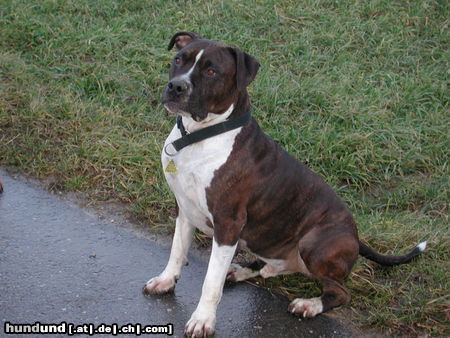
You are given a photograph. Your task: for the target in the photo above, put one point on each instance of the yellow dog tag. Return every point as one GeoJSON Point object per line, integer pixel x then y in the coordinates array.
{"type": "Point", "coordinates": [171, 168]}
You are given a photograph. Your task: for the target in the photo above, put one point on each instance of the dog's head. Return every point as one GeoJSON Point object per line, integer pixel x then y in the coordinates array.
{"type": "Point", "coordinates": [206, 76]}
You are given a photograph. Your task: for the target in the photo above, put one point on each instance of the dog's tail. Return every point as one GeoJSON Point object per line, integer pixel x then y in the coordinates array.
{"type": "Point", "coordinates": [369, 253]}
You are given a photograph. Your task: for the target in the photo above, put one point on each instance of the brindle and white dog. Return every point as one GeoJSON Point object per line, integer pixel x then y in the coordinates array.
{"type": "Point", "coordinates": [241, 187]}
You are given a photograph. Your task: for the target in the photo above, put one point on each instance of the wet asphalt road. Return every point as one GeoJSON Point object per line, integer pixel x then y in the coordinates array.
{"type": "Point", "coordinates": [59, 262]}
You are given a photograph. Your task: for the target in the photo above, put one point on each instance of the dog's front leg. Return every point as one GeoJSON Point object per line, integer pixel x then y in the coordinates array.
{"type": "Point", "coordinates": [203, 320]}
{"type": "Point", "coordinates": [182, 239]}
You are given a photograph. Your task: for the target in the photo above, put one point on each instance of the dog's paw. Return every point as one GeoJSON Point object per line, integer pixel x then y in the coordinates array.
{"type": "Point", "coordinates": [201, 324]}
{"type": "Point", "coordinates": [159, 285]}
{"type": "Point", "coordinates": [237, 273]}
{"type": "Point", "coordinates": [306, 307]}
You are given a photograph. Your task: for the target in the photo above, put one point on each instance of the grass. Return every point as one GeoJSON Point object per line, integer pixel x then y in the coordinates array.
{"type": "Point", "coordinates": [357, 89]}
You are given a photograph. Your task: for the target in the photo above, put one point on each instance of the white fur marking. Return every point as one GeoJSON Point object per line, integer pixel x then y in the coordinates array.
{"type": "Point", "coordinates": [272, 270]}
{"type": "Point", "coordinates": [187, 76]}
{"type": "Point", "coordinates": [196, 165]}
{"type": "Point", "coordinates": [181, 242]}
{"type": "Point", "coordinates": [197, 57]}
{"type": "Point", "coordinates": [203, 320]}
{"type": "Point", "coordinates": [307, 307]}
{"type": "Point", "coordinates": [237, 273]}
{"type": "Point", "coordinates": [178, 258]}
{"type": "Point", "coordinates": [191, 125]}
{"type": "Point", "coordinates": [422, 246]}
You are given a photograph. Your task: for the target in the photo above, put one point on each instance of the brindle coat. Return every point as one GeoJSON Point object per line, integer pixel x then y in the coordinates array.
{"type": "Point", "coordinates": [261, 197]}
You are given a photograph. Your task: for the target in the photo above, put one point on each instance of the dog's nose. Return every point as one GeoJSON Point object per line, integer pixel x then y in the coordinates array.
{"type": "Point", "coordinates": [177, 86]}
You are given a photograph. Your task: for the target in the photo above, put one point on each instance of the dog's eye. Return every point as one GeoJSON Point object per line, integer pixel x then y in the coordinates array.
{"type": "Point", "coordinates": [177, 60]}
{"type": "Point", "coordinates": [210, 72]}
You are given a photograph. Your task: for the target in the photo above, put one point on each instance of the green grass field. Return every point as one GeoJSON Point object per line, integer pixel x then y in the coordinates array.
{"type": "Point", "coordinates": [356, 89]}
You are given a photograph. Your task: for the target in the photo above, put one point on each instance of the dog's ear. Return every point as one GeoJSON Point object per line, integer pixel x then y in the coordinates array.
{"type": "Point", "coordinates": [182, 39]}
{"type": "Point", "coordinates": [246, 68]}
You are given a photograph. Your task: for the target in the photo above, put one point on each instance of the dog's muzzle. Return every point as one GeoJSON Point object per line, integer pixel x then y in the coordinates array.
{"type": "Point", "coordinates": [178, 87]}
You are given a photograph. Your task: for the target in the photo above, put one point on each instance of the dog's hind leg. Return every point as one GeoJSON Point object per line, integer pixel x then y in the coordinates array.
{"type": "Point", "coordinates": [239, 273]}
{"type": "Point", "coordinates": [182, 239]}
{"type": "Point", "coordinates": [275, 267]}
{"type": "Point", "coordinates": [328, 261]}
{"type": "Point", "coordinates": [334, 294]}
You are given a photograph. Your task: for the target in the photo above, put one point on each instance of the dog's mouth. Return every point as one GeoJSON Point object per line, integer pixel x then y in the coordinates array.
{"type": "Point", "coordinates": [171, 108]}
{"type": "Point", "coordinates": [174, 108]}
{"type": "Point", "coordinates": [175, 104]}
{"type": "Point", "coordinates": [183, 104]}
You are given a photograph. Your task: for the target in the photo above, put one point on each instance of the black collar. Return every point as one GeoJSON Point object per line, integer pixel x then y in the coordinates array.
{"type": "Point", "coordinates": [202, 134]}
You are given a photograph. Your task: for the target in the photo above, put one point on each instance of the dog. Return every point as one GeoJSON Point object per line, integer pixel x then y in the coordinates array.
{"type": "Point", "coordinates": [235, 184]}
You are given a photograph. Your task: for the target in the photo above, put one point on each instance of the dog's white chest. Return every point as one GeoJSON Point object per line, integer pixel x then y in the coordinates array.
{"type": "Point", "coordinates": [190, 172]}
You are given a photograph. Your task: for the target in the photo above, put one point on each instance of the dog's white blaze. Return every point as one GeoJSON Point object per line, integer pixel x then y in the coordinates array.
{"type": "Point", "coordinates": [196, 165]}
{"type": "Point", "coordinates": [219, 263]}
{"type": "Point", "coordinates": [187, 76]}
